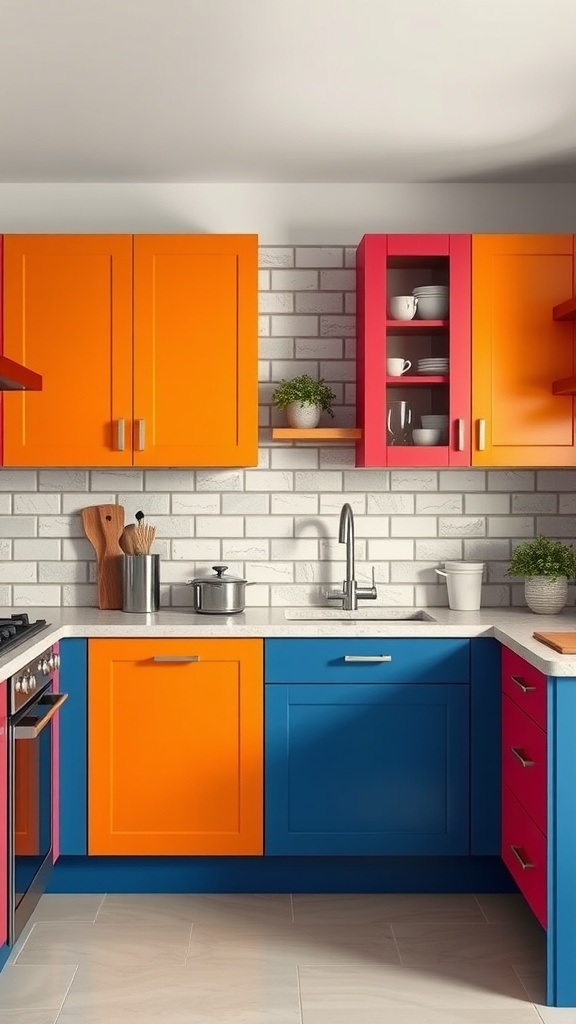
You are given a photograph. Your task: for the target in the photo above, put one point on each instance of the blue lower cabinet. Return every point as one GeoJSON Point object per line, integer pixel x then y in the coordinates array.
{"type": "Point", "coordinates": [358, 768]}
{"type": "Point", "coordinates": [73, 748]}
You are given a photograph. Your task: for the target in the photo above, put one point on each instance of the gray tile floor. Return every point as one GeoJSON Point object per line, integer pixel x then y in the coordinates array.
{"type": "Point", "coordinates": [278, 959]}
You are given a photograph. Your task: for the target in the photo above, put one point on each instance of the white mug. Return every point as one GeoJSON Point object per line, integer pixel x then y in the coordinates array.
{"type": "Point", "coordinates": [396, 367]}
{"type": "Point", "coordinates": [403, 307]}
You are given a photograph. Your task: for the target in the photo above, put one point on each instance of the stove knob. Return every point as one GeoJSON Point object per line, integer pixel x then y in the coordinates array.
{"type": "Point", "coordinates": [57, 661]}
{"type": "Point", "coordinates": [44, 667]}
{"type": "Point", "coordinates": [32, 684]}
{"type": "Point", "coordinates": [24, 684]}
{"type": "Point", "coordinates": [18, 684]}
{"type": "Point", "coordinates": [51, 662]}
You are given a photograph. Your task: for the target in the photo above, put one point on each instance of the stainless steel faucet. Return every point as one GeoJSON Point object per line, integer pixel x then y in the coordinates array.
{"type": "Point", "coordinates": [351, 593]}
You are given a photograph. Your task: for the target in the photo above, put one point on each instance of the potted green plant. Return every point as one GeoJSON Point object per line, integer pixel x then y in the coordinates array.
{"type": "Point", "coordinates": [546, 565]}
{"type": "Point", "coordinates": [304, 399]}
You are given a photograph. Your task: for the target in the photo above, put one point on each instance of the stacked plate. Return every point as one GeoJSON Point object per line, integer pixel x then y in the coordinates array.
{"type": "Point", "coordinates": [435, 421]}
{"type": "Point", "coordinates": [434, 366]}
{"type": "Point", "coordinates": [432, 301]}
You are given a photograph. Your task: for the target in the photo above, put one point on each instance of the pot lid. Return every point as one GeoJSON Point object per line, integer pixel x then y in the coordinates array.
{"type": "Point", "coordinates": [220, 577]}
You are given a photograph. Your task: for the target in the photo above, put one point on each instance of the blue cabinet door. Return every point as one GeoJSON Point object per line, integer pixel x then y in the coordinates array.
{"type": "Point", "coordinates": [360, 768]}
{"type": "Point", "coordinates": [73, 748]}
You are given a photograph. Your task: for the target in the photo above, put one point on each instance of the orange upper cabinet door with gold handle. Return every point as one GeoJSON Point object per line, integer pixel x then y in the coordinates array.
{"type": "Point", "coordinates": [195, 350]}
{"type": "Point", "coordinates": [181, 771]}
{"type": "Point", "coordinates": [68, 315]}
{"type": "Point", "coordinates": [518, 350]}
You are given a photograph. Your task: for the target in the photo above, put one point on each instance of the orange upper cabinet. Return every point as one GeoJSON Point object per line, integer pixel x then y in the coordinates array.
{"type": "Point", "coordinates": [68, 315]}
{"type": "Point", "coordinates": [519, 350]}
{"type": "Point", "coordinates": [147, 345]}
{"type": "Point", "coordinates": [175, 748]}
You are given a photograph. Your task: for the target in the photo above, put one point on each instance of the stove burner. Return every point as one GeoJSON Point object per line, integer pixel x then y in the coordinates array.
{"type": "Point", "coordinates": [17, 629]}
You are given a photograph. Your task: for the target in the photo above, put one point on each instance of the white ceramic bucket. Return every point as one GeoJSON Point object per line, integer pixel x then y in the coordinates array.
{"type": "Point", "coordinates": [464, 582]}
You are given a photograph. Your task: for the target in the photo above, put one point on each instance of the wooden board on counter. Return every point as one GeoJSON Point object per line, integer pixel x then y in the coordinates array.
{"type": "Point", "coordinates": [564, 643]}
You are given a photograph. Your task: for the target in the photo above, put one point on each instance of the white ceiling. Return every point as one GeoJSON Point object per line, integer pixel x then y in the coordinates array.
{"type": "Point", "coordinates": [287, 90]}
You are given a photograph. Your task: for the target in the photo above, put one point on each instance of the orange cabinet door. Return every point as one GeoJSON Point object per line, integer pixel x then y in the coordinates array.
{"type": "Point", "coordinates": [195, 350]}
{"type": "Point", "coordinates": [518, 350]}
{"type": "Point", "coordinates": [68, 315]}
{"type": "Point", "coordinates": [175, 747]}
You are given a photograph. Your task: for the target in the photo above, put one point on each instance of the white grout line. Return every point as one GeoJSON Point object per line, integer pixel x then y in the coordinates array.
{"type": "Point", "coordinates": [187, 956]}
{"type": "Point", "coordinates": [99, 908]}
{"type": "Point", "coordinates": [292, 907]}
{"type": "Point", "coordinates": [66, 994]}
{"type": "Point", "coordinates": [481, 908]}
{"type": "Point", "coordinates": [390, 925]}
{"type": "Point", "coordinates": [299, 994]}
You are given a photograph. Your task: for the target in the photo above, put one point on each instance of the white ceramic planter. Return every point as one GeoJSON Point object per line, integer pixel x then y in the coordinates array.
{"type": "Point", "coordinates": [302, 417]}
{"type": "Point", "coordinates": [545, 596]}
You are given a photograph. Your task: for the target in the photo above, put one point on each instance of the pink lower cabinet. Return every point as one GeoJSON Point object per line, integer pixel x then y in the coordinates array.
{"type": "Point", "coordinates": [524, 853]}
{"type": "Point", "coordinates": [3, 819]}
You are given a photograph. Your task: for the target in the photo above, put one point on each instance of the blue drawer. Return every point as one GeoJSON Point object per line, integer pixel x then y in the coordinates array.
{"type": "Point", "coordinates": [412, 660]}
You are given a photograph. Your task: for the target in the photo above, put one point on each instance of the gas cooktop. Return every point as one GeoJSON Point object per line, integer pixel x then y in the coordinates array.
{"type": "Point", "coordinates": [18, 628]}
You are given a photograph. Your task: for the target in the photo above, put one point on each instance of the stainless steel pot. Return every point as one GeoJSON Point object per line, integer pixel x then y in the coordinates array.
{"type": "Point", "coordinates": [220, 594]}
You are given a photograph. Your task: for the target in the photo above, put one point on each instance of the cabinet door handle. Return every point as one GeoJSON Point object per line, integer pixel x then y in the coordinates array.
{"type": "Point", "coordinates": [520, 682]}
{"type": "Point", "coordinates": [175, 657]}
{"type": "Point", "coordinates": [461, 438]}
{"type": "Point", "coordinates": [141, 435]}
{"type": "Point", "coordinates": [481, 435]}
{"type": "Point", "coordinates": [121, 435]}
{"type": "Point", "coordinates": [367, 657]}
{"type": "Point", "coordinates": [524, 864]}
{"type": "Point", "coordinates": [517, 751]}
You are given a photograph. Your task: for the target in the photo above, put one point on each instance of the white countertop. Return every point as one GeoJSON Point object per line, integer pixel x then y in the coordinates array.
{"type": "Point", "coordinates": [512, 627]}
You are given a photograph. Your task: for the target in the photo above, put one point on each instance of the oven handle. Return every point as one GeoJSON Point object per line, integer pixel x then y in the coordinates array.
{"type": "Point", "coordinates": [30, 728]}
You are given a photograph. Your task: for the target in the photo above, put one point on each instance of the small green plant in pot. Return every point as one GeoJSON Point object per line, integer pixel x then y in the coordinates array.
{"type": "Point", "coordinates": [546, 565]}
{"type": "Point", "coordinates": [304, 399]}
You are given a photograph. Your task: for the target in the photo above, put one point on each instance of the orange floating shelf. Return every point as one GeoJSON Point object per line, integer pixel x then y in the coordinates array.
{"type": "Point", "coordinates": [565, 311]}
{"type": "Point", "coordinates": [317, 434]}
{"type": "Point", "coordinates": [567, 386]}
{"type": "Point", "coordinates": [421, 380]}
{"type": "Point", "coordinates": [417, 326]}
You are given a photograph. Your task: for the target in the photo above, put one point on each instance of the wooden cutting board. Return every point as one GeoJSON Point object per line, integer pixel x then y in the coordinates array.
{"type": "Point", "coordinates": [103, 525]}
{"type": "Point", "coordinates": [564, 643]}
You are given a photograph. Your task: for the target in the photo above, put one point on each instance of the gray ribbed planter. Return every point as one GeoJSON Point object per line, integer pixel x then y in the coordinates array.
{"type": "Point", "coordinates": [545, 596]}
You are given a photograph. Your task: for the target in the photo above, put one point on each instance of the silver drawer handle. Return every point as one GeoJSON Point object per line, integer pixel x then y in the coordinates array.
{"type": "Point", "coordinates": [520, 682]}
{"type": "Point", "coordinates": [168, 657]}
{"type": "Point", "coordinates": [367, 657]}
{"type": "Point", "coordinates": [524, 864]}
{"type": "Point", "coordinates": [518, 753]}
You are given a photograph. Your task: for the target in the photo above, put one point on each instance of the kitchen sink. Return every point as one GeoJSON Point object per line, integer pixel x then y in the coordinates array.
{"type": "Point", "coordinates": [361, 615]}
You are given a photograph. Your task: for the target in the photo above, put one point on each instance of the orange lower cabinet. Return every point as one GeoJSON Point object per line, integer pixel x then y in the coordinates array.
{"type": "Point", "coordinates": [519, 350]}
{"type": "Point", "coordinates": [175, 747]}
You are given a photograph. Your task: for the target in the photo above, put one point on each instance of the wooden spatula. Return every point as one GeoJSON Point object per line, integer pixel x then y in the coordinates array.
{"type": "Point", "coordinates": [103, 525]}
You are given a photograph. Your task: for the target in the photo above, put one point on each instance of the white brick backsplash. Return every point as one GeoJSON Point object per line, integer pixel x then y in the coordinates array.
{"type": "Point", "coordinates": [276, 302]}
{"type": "Point", "coordinates": [463, 526]}
{"type": "Point", "coordinates": [27, 596]}
{"type": "Point", "coordinates": [18, 526]}
{"type": "Point", "coordinates": [72, 504]}
{"type": "Point", "coordinates": [63, 480]}
{"type": "Point", "coordinates": [391, 550]}
{"type": "Point", "coordinates": [326, 480]}
{"type": "Point", "coordinates": [337, 326]}
{"type": "Point", "coordinates": [415, 526]}
{"type": "Point", "coordinates": [219, 526]}
{"type": "Point", "coordinates": [195, 504]}
{"type": "Point", "coordinates": [439, 504]}
{"type": "Point", "coordinates": [390, 504]}
{"type": "Point", "coordinates": [294, 549]}
{"type": "Point", "coordinates": [319, 256]}
{"type": "Point", "coordinates": [38, 549]}
{"type": "Point", "coordinates": [338, 280]}
{"type": "Point", "coordinates": [295, 504]}
{"type": "Point", "coordinates": [413, 480]}
{"type": "Point", "coordinates": [511, 480]}
{"type": "Point", "coordinates": [36, 504]}
{"type": "Point", "coordinates": [220, 480]}
{"type": "Point", "coordinates": [244, 504]}
{"type": "Point", "coordinates": [438, 550]}
{"type": "Point", "coordinates": [275, 256]}
{"type": "Point", "coordinates": [319, 302]}
{"type": "Point", "coordinates": [116, 480]}
{"type": "Point", "coordinates": [269, 480]}
{"type": "Point", "coordinates": [510, 526]}
{"type": "Point", "coordinates": [190, 550]}
{"type": "Point", "coordinates": [294, 458]}
{"type": "Point", "coordinates": [286, 512]}
{"type": "Point", "coordinates": [487, 504]}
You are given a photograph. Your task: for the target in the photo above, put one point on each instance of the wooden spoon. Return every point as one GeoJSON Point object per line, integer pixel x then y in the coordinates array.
{"type": "Point", "coordinates": [103, 525]}
{"type": "Point", "coordinates": [128, 540]}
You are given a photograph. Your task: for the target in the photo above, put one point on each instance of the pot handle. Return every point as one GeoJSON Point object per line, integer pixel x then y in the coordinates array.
{"type": "Point", "coordinates": [197, 592]}
{"type": "Point", "coordinates": [441, 572]}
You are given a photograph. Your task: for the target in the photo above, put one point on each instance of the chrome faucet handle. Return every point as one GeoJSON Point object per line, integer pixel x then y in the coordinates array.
{"type": "Point", "coordinates": [368, 593]}
{"type": "Point", "coordinates": [333, 595]}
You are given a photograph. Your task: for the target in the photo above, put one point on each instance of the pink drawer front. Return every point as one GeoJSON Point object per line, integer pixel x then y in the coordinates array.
{"type": "Point", "coordinates": [524, 761]}
{"type": "Point", "coordinates": [524, 853]}
{"type": "Point", "coordinates": [525, 685]}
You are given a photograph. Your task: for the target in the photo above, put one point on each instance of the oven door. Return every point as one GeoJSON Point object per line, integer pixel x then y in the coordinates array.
{"type": "Point", "coordinates": [31, 768]}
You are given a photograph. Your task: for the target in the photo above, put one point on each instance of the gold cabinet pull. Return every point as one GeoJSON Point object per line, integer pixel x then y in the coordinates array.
{"type": "Point", "coordinates": [481, 435]}
{"type": "Point", "coordinates": [141, 435]}
{"type": "Point", "coordinates": [120, 439]}
{"type": "Point", "coordinates": [167, 658]}
{"type": "Point", "coordinates": [461, 433]}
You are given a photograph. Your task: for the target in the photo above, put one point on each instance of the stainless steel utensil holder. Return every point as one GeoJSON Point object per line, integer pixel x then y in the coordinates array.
{"type": "Point", "coordinates": [141, 583]}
